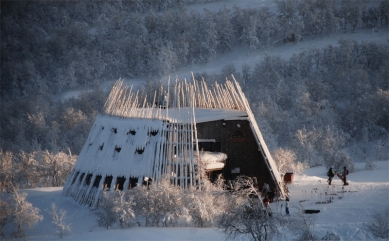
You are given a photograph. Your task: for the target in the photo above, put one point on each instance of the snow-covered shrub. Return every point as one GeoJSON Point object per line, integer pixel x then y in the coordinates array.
{"type": "Point", "coordinates": [163, 204]}
{"type": "Point", "coordinates": [5, 212]}
{"type": "Point", "coordinates": [23, 213]}
{"type": "Point", "coordinates": [159, 203]}
{"type": "Point", "coordinates": [106, 215]}
{"type": "Point", "coordinates": [370, 165]}
{"type": "Point", "coordinates": [58, 219]}
{"type": "Point", "coordinates": [124, 209]}
{"type": "Point", "coordinates": [380, 225]}
{"type": "Point", "coordinates": [114, 207]}
{"type": "Point", "coordinates": [342, 159]}
{"type": "Point", "coordinates": [205, 203]}
{"type": "Point", "coordinates": [245, 216]}
{"type": "Point", "coordinates": [286, 161]}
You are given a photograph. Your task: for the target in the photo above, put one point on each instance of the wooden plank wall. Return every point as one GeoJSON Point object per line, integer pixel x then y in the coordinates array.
{"type": "Point", "coordinates": [238, 142]}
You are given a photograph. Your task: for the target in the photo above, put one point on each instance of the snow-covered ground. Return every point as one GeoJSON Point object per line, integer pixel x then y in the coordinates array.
{"type": "Point", "coordinates": [367, 193]}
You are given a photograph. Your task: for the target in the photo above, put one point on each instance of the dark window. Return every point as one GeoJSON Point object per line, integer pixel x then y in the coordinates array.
{"type": "Point", "coordinates": [88, 179]}
{"type": "Point", "coordinates": [154, 133]}
{"type": "Point", "coordinates": [107, 182]}
{"type": "Point", "coordinates": [120, 183]}
{"type": "Point", "coordinates": [133, 182]}
{"type": "Point", "coordinates": [118, 148]}
{"type": "Point", "coordinates": [97, 181]}
{"type": "Point", "coordinates": [132, 132]}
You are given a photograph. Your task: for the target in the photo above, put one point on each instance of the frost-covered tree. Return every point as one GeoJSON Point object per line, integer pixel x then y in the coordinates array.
{"type": "Point", "coordinates": [58, 217]}
{"type": "Point", "coordinates": [209, 37]}
{"type": "Point", "coordinates": [384, 13]}
{"type": "Point", "coordinates": [106, 215]}
{"type": "Point", "coordinates": [351, 12]}
{"type": "Point", "coordinates": [250, 33]}
{"type": "Point", "coordinates": [166, 59]}
{"type": "Point", "coordinates": [6, 169]}
{"type": "Point", "coordinates": [224, 29]}
{"type": "Point", "coordinates": [5, 212]}
{"type": "Point", "coordinates": [305, 146]}
{"type": "Point", "coordinates": [245, 214]}
{"type": "Point", "coordinates": [205, 203]}
{"type": "Point", "coordinates": [23, 213]}
{"type": "Point", "coordinates": [115, 207]}
{"type": "Point", "coordinates": [269, 29]}
{"type": "Point", "coordinates": [311, 15]}
{"type": "Point", "coordinates": [291, 23]}
{"type": "Point", "coordinates": [246, 74]}
{"type": "Point", "coordinates": [284, 159]}
{"type": "Point", "coordinates": [247, 218]}
{"type": "Point", "coordinates": [124, 209]}
{"type": "Point", "coordinates": [342, 159]}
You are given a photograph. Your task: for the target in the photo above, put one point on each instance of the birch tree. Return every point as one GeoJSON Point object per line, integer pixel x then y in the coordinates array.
{"type": "Point", "coordinates": [58, 219]}
{"type": "Point", "coordinates": [23, 213]}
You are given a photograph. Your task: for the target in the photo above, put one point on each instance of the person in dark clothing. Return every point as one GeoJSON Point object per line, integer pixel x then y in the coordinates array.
{"type": "Point", "coordinates": [345, 173]}
{"type": "Point", "coordinates": [330, 175]}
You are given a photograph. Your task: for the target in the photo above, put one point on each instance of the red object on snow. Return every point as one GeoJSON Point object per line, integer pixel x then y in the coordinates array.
{"type": "Point", "coordinates": [288, 177]}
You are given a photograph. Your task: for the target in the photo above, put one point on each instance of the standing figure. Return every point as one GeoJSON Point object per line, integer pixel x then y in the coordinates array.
{"type": "Point", "coordinates": [345, 173]}
{"type": "Point", "coordinates": [287, 206]}
{"type": "Point", "coordinates": [330, 175]}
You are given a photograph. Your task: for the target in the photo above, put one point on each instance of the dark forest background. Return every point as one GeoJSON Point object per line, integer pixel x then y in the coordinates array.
{"type": "Point", "coordinates": [314, 104]}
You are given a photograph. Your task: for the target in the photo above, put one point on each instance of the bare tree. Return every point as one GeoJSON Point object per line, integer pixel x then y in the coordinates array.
{"type": "Point", "coordinates": [58, 219]}
{"type": "Point", "coordinates": [245, 214]}
{"type": "Point", "coordinates": [23, 213]}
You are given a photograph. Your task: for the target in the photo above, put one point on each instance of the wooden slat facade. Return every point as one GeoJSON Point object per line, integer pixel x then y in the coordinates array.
{"type": "Point", "coordinates": [235, 138]}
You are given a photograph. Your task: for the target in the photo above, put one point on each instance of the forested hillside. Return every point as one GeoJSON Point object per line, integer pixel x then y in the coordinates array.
{"type": "Point", "coordinates": [312, 105]}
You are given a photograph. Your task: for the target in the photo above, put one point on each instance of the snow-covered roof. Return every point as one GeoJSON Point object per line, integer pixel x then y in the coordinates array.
{"type": "Point", "coordinates": [121, 146]}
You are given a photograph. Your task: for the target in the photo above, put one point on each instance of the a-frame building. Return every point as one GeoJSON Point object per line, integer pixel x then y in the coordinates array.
{"type": "Point", "coordinates": [172, 131]}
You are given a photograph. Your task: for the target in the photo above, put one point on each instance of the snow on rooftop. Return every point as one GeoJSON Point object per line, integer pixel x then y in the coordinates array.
{"type": "Point", "coordinates": [121, 146]}
{"type": "Point", "coordinates": [209, 157]}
